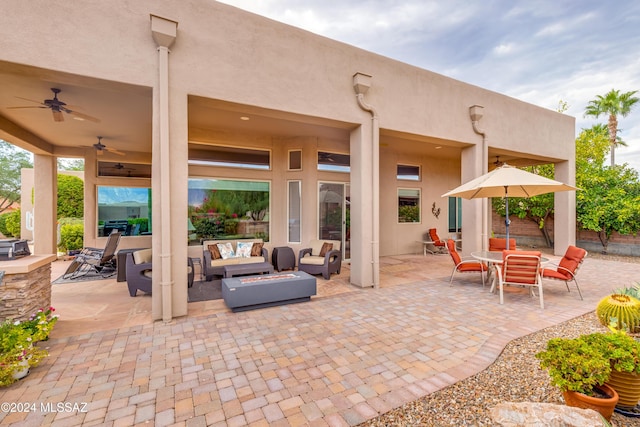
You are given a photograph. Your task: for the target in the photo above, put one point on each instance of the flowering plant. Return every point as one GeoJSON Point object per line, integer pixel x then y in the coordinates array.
{"type": "Point", "coordinates": [18, 351]}
{"type": "Point", "coordinates": [41, 323]}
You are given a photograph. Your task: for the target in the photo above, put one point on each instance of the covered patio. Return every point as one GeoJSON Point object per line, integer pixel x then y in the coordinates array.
{"type": "Point", "coordinates": [345, 357]}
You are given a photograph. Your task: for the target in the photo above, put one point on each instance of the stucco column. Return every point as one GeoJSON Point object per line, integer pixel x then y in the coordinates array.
{"type": "Point", "coordinates": [91, 200]}
{"type": "Point", "coordinates": [473, 232]}
{"type": "Point", "coordinates": [564, 217]}
{"type": "Point", "coordinates": [164, 34]}
{"type": "Point", "coordinates": [361, 202]}
{"type": "Point", "coordinates": [45, 190]}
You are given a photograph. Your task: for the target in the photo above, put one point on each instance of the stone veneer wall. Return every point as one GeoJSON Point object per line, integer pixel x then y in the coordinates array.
{"type": "Point", "coordinates": [23, 294]}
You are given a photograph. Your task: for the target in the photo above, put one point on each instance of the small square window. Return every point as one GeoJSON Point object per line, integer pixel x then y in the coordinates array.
{"type": "Point", "coordinates": [408, 173]}
{"type": "Point", "coordinates": [295, 160]}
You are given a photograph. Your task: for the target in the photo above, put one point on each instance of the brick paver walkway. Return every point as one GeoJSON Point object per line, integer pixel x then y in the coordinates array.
{"type": "Point", "coordinates": [335, 361]}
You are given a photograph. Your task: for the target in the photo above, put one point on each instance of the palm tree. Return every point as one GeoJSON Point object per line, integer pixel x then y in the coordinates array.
{"type": "Point", "coordinates": [614, 104]}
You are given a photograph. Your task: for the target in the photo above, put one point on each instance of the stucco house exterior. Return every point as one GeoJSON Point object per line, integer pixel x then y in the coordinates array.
{"type": "Point", "coordinates": [195, 97]}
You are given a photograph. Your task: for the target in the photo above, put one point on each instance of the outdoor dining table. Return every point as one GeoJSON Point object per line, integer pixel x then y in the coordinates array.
{"type": "Point", "coordinates": [495, 258]}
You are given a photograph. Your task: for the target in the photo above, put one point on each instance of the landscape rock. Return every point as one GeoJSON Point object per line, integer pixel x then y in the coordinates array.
{"type": "Point", "coordinates": [531, 414]}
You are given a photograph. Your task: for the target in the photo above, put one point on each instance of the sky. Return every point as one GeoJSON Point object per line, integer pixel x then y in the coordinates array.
{"type": "Point", "coordinates": [539, 51]}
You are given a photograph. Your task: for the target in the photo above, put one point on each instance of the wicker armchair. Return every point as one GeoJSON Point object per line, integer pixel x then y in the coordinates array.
{"type": "Point", "coordinates": [323, 257]}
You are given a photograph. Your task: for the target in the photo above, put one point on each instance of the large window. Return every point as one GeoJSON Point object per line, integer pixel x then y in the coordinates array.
{"type": "Point", "coordinates": [225, 209]}
{"type": "Point", "coordinates": [408, 205]}
{"type": "Point", "coordinates": [124, 209]}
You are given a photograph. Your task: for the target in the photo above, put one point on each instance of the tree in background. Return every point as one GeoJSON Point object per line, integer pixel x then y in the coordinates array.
{"type": "Point", "coordinates": [12, 160]}
{"type": "Point", "coordinates": [537, 209]}
{"type": "Point", "coordinates": [609, 196]}
{"type": "Point", "coordinates": [614, 104]}
{"type": "Point", "coordinates": [70, 196]}
{"type": "Point", "coordinates": [70, 164]}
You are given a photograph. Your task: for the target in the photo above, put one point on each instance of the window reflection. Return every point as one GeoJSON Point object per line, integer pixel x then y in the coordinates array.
{"type": "Point", "coordinates": [224, 209]}
{"type": "Point", "coordinates": [124, 209]}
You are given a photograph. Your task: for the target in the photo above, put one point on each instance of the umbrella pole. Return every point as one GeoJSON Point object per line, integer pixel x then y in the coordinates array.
{"type": "Point", "coordinates": [506, 207]}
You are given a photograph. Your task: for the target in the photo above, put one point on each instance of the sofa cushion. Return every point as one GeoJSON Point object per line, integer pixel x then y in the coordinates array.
{"type": "Point", "coordinates": [256, 249]}
{"type": "Point", "coordinates": [142, 256]}
{"type": "Point", "coordinates": [226, 250]}
{"type": "Point", "coordinates": [237, 260]}
{"type": "Point", "coordinates": [215, 253]}
{"type": "Point", "coordinates": [243, 249]}
{"type": "Point", "coordinates": [326, 247]}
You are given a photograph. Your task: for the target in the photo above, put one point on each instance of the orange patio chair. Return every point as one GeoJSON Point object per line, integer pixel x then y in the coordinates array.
{"type": "Point", "coordinates": [567, 267]}
{"type": "Point", "coordinates": [497, 244]}
{"type": "Point", "coordinates": [437, 242]}
{"type": "Point", "coordinates": [519, 268]}
{"type": "Point", "coordinates": [464, 265]}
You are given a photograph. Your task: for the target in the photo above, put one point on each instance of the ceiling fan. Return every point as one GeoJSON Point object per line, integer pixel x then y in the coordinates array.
{"type": "Point", "coordinates": [101, 148]}
{"type": "Point", "coordinates": [58, 107]}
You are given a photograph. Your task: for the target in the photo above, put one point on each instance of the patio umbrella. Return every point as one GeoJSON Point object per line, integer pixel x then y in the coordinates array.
{"type": "Point", "coordinates": [508, 181]}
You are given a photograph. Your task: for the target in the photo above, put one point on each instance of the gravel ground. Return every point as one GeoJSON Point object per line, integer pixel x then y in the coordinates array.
{"type": "Point", "coordinates": [515, 376]}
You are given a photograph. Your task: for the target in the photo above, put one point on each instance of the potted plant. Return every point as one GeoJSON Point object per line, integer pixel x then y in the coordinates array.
{"type": "Point", "coordinates": [623, 352]}
{"type": "Point", "coordinates": [17, 352]}
{"type": "Point", "coordinates": [580, 368]}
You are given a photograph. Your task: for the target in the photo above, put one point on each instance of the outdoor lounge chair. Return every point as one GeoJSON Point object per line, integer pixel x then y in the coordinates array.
{"type": "Point", "coordinates": [94, 260]}
{"type": "Point", "coordinates": [323, 257]}
{"type": "Point", "coordinates": [519, 268]}
{"type": "Point", "coordinates": [567, 267]}
{"type": "Point", "coordinates": [464, 265]}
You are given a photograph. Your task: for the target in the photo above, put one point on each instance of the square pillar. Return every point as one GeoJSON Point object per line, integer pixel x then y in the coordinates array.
{"type": "Point", "coordinates": [564, 217]}
{"type": "Point", "coordinates": [361, 202]}
{"type": "Point", "coordinates": [475, 212]}
{"type": "Point", "coordinates": [45, 196]}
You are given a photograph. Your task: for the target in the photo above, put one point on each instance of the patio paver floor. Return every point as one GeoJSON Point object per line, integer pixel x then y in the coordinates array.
{"type": "Point", "coordinates": [345, 357]}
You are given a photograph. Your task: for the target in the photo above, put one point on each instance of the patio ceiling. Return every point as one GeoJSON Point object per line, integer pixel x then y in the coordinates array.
{"type": "Point", "coordinates": [124, 112]}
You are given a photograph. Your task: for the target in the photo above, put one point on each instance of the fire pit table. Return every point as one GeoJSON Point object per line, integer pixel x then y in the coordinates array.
{"type": "Point", "coordinates": [268, 290]}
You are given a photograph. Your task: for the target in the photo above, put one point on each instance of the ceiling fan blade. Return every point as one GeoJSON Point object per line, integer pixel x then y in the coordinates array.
{"type": "Point", "coordinates": [30, 100]}
{"type": "Point", "coordinates": [57, 116]}
{"type": "Point", "coordinates": [16, 108]}
{"type": "Point", "coordinates": [83, 116]}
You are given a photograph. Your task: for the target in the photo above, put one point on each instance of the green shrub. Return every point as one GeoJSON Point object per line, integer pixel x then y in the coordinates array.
{"type": "Point", "coordinates": [12, 223]}
{"type": "Point", "coordinates": [71, 235]}
{"type": "Point", "coordinates": [70, 196]}
{"type": "Point", "coordinates": [3, 225]}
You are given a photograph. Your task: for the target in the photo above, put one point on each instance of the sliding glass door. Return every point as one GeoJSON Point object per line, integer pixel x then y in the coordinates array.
{"type": "Point", "coordinates": [334, 219]}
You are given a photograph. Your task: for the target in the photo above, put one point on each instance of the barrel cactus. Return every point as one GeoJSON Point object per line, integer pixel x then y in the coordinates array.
{"type": "Point", "coordinates": [623, 311]}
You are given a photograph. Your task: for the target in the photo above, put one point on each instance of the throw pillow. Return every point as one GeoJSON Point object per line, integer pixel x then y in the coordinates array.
{"type": "Point", "coordinates": [326, 247]}
{"type": "Point", "coordinates": [256, 249]}
{"type": "Point", "coordinates": [215, 253]}
{"type": "Point", "coordinates": [243, 249]}
{"type": "Point", "coordinates": [226, 250]}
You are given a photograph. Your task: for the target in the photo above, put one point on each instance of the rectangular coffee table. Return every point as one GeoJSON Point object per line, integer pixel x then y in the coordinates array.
{"type": "Point", "coordinates": [251, 292]}
{"type": "Point", "coordinates": [250, 268]}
